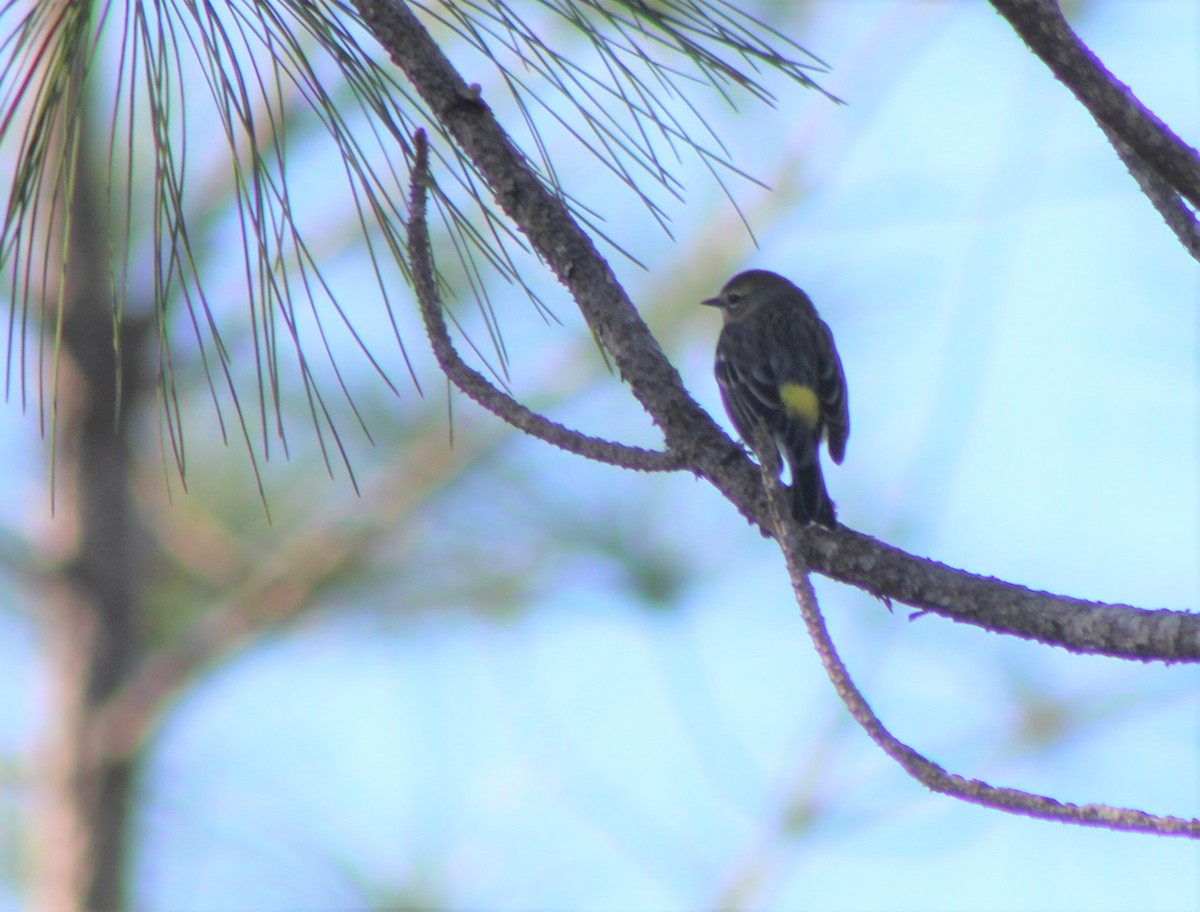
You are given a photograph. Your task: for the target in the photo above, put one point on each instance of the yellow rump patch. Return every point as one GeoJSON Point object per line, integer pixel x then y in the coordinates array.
{"type": "Point", "coordinates": [800, 402]}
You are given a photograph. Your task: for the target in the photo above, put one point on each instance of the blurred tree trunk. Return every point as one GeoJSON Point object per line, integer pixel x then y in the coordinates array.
{"type": "Point", "coordinates": [92, 594]}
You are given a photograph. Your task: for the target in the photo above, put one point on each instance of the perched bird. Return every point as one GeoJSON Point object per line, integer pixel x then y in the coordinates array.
{"type": "Point", "coordinates": [776, 364]}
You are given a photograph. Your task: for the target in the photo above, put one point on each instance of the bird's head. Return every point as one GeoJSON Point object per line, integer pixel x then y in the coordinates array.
{"type": "Point", "coordinates": [749, 291]}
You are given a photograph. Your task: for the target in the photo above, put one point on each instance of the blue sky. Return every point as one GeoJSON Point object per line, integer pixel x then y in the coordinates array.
{"type": "Point", "coordinates": [1019, 333]}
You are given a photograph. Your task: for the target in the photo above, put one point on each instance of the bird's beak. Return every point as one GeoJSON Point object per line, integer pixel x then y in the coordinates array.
{"type": "Point", "coordinates": [712, 302]}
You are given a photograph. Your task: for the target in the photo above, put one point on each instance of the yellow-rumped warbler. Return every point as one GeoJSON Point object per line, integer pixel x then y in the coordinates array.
{"type": "Point", "coordinates": [777, 365]}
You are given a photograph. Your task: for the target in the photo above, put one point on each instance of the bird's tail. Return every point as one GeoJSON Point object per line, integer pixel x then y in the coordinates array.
{"type": "Point", "coordinates": [810, 500]}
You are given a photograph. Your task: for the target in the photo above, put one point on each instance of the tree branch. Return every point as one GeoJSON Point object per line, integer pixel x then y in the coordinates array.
{"type": "Point", "coordinates": [1041, 24]}
{"type": "Point", "coordinates": [1170, 205]}
{"type": "Point", "coordinates": [917, 765]}
{"type": "Point", "coordinates": [473, 383]}
{"type": "Point", "coordinates": [545, 220]}
{"type": "Point", "coordinates": [861, 561]}
{"type": "Point", "coordinates": [1080, 626]}
{"type": "Point", "coordinates": [275, 586]}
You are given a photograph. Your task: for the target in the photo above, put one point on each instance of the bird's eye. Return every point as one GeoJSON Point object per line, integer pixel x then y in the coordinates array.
{"type": "Point", "coordinates": [733, 298]}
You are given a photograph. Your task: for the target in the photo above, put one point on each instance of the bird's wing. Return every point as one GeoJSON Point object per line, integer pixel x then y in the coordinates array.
{"type": "Point", "coordinates": [749, 390]}
{"type": "Point", "coordinates": [831, 388]}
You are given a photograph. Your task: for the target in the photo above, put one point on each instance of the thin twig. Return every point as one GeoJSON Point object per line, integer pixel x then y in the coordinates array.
{"type": "Point", "coordinates": [790, 539]}
{"type": "Point", "coordinates": [473, 383]}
